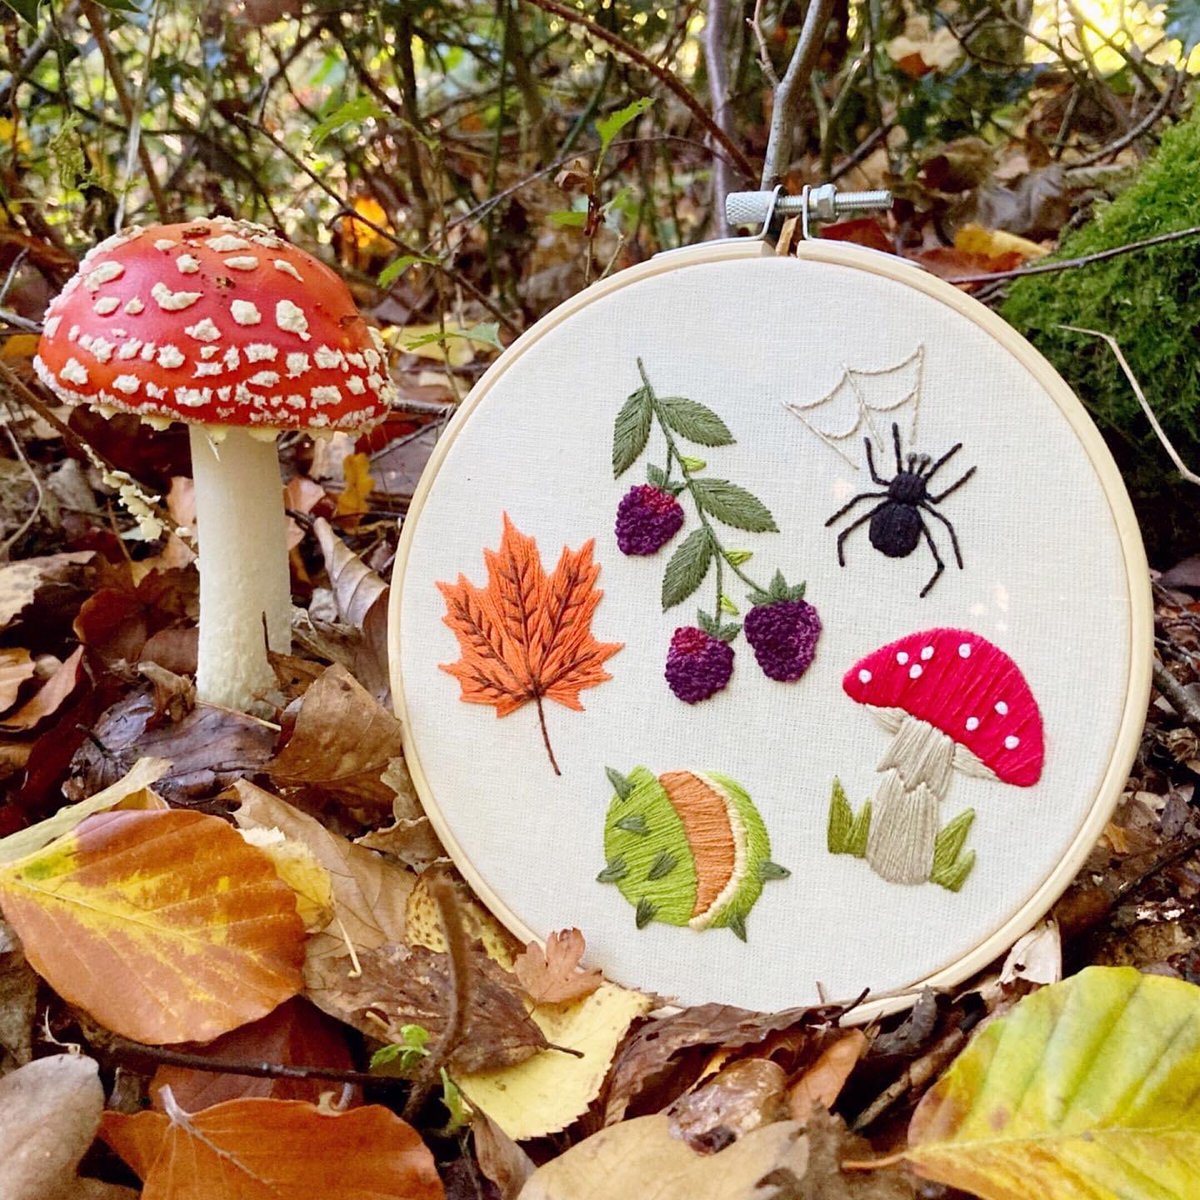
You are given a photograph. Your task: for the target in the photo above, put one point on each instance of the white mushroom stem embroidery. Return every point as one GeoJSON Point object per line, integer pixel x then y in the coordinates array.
{"type": "Point", "coordinates": [952, 701]}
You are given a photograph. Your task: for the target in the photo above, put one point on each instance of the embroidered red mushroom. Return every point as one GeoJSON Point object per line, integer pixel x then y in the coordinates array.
{"type": "Point", "coordinates": [225, 326]}
{"type": "Point", "coordinates": [952, 700]}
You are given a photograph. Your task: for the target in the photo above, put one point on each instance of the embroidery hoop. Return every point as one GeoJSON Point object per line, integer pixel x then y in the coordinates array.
{"type": "Point", "coordinates": [1137, 651]}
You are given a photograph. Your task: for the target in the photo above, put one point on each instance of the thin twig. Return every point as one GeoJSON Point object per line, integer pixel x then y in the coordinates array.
{"type": "Point", "coordinates": [764, 57]}
{"type": "Point", "coordinates": [791, 88]}
{"type": "Point", "coordinates": [716, 28]}
{"type": "Point", "coordinates": [1177, 696]}
{"type": "Point", "coordinates": [135, 122]}
{"type": "Point", "coordinates": [665, 77]}
{"type": "Point", "coordinates": [19, 322]}
{"type": "Point", "coordinates": [1159, 432]}
{"type": "Point", "coordinates": [1143, 126]}
{"type": "Point", "coordinates": [112, 65]}
{"type": "Point", "coordinates": [1066, 264]}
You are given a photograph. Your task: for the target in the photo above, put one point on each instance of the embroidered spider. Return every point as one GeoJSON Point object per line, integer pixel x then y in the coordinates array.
{"type": "Point", "coordinates": [898, 523]}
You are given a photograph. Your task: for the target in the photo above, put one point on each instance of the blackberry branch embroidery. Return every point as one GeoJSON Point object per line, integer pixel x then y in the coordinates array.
{"type": "Point", "coordinates": [527, 636]}
{"type": "Point", "coordinates": [781, 627]}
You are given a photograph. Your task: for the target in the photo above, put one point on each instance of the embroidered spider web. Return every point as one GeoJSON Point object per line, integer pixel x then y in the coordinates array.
{"type": "Point", "coordinates": [864, 403]}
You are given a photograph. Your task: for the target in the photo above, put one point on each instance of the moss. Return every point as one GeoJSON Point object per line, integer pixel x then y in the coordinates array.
{"type": "Point", "coordinates": [1149, 300]}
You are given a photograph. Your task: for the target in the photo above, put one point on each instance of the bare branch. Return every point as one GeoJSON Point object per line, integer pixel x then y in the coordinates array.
{"type": "Point", "coordinates": [716, 30]}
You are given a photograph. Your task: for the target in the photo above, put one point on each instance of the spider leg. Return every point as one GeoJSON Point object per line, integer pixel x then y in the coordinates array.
{"type": "Point", "coordinates": [953, 536]}
{"type": "Point", "coordinates": [941, 462]}
{"type": "Point", "coordinates": [896, 443]}
{"type": "Point", "coordinates": [850, 529]}
{"type": "Point", "coordinates": [952, 488]}
{"type": "Point", "coordinates": [937, 558]}
{"type": "Point", "coordinates": [871, 464]}
{"type": "Point", "coordinates": [841, 512]}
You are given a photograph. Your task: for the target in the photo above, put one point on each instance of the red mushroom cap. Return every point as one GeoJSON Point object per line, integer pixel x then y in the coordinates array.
{"type": "Point", "coordinates": [963, 685]}
{"type": "Point", "coordinates": [216, 322]}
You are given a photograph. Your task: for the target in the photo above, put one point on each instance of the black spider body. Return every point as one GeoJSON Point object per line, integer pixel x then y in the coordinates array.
{"type": "Point", "coordinates": [897, 522]}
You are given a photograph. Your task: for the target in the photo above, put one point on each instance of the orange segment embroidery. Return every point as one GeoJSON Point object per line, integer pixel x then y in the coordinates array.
{"type": "Point", "coordinates": [706, 826]}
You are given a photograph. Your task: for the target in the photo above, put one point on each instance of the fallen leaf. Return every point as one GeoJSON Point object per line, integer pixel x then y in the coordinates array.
{"type": "Point", "coordinates": [302, 495]}
{"type": "Point", "coordinates": [16, 666]}
{"type": "Point", "coordinates": [1087, 1084]}
{"type": "Point", "coordinates": [49, 698]}
{"type": "Point", "coordinates": [830, 1144]}
{"type": "Point", "coordinates": [145, 771]}
{"type": "Point", "coordinates": [49, 1113]}
{"type": "Point", "coordinates": [355, 497]}
{"type": "Point", "coordinates": [410, 840]}
{"type": "Point", "coordinates": [822, 1083]}
{"type": "Point", "coordinates": [549, 1091]}
{"type": "Point", "coordinates": [648, 1055]}
{"type": "Point", "coordinates": [23, 582]}
{"type": "Point", "coordinates": [342, 742]}
{"type": "Point", "coordinates": [175, 900]}
{"type": "Point", "coordinates": [281, 1149]}
{"type": "Point", "coordinates": [740, 1098]}
{"type": "Point", "coordinates": [294, 1034]}
{"type": "Point", "coordinates": [527, 636]}
{"type": "Point", "coordinates": [1036, 958]}
{"type": "Point", "coordinates": [500, 1158]}
{"type": "Point", "coordinates": [398, 987]}
{"type": "Point", "coordinates": [423, 925]}
{"type": "Point", "coordinates": [297, 866]}
{"type": "Point", "coordinates": [913, 1034]}
{"type": "Point", "coordinates": [641, 1158]}
{"type": "Point", "coordinates": [370, 894]}
{"type": "Point", "coordinates": [552, 975]}
{"type": "Point", "coordinates": [993, 243]}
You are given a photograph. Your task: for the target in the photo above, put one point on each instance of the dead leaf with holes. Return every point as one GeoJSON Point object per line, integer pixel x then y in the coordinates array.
{"type": "Point", "coordinates": [284, 1149]}
{"type": "Point", "coordinates": [552, 975]}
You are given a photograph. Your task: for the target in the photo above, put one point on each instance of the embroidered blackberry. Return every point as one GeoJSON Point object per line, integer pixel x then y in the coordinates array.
{"type": "Point", "coordinates": [783, 636]}
{"type": "Point", "coordinates": [647, 519]}
{"type": "Point", "coordinates": [698, 664]}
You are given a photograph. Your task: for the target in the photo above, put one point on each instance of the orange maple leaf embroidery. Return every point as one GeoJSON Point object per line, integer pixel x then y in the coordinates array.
{"type": "Point", "coordinates": [527, 636]}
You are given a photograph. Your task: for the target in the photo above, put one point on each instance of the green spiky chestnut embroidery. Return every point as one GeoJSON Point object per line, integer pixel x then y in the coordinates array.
{"type": "Point", "coordinates": [781, 627]}
{"type": "Point", "coordinates": [686, 848]}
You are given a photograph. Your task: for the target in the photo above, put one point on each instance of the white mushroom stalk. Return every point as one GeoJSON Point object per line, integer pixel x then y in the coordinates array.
{"type": "Point", "coordinates": [245, 581]}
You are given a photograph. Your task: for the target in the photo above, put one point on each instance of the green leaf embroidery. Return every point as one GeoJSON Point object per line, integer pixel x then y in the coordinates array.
{"type": "Point", "coordinates": [737, 922]}
{"type": "Point", "coordinates": [771, 870]}
{"type": "Point", "coordinates": [687, 568]}
{"type": "Point", "coordinates": [621, 785]}
{"type": "Point", "coordinates": [634, 823]}
{"type": "Point", "coordinates": [662, 866]}
{"type": "Point", "coordinates": [696, 422]}
{"type": "Point", "coordinates": [846, 833]}
{"type": "Point", "coordinates": [737, 557]}
{"type": "Point", "coordinates": [733, 505]}
{"type": "Point", "coordinates": [692, 465]}
{"type": "Point", "coordinates": [950, 866]}
{"type": "Point", "coordinates": [614, 872]}
{"type": "Point", "coordinates": [727, 606]}
{"type": "Point", "coordinates": [608, 127]}
{"type": "Point", "coordinates": [631, 431]}
{"type": "Point", "coordinates": [646, 911]}
{"type": "Point", "coordinates": [656, 476]}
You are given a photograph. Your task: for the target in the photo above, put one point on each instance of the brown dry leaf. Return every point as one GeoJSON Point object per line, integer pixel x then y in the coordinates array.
{"type": "Point", "coordinates": [301, 495]}
{"type": "Point", "coordinates": [18, 1002]}
{"type": "Point", "coordinates": [281, 1149]}
{"type": "Point", "coordinates": [830, 1144]}
{"type": "Point", "coordinates": [500, 1158]}
{"type": "Point", "coordinates": [740, 1098]}
{"type": "Point", "coordinates": [640, 1158]}
{"type": "Point", "coordinates": [23, 582]}
{"type": "Point", "coordinates": [822, 1083]}
{"type": "Point", "coordinates": [294, 1034]}
{"type": "Point", "coordinates": [208, 748]}
{"type": "Point", "coordinates": [552, 975]}
{"type": "Point", "coordinates": [49, 1113]}
{"type": "Point", "coordinates": [399, 987]}
{"type": "Point", "coordinates": [370, 894]}
{"type": "Point", "coordinates": [647, 1057]}
{"type": "Point", "coordinates": [527, 635]}
{"type": "Point", "coordinates": [175, 900]}
{"type": "Point", "coordinates": [16, 666]}
{"type": "Point", "coordinates": [410, 840]}
{"type": "Point", "coordinates": [342, 742]}
{"type": "Point", "coordinates": [49, 698]}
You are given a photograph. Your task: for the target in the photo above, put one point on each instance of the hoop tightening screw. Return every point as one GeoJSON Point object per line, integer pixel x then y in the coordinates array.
{"type": "Point", "coordinates": [824, 203]}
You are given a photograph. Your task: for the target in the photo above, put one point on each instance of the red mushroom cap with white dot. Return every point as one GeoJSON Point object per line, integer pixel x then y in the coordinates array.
{"type": "Point", "coordinates": [216, 322]}
{"type": "Point", "coordinates": [963, 685]}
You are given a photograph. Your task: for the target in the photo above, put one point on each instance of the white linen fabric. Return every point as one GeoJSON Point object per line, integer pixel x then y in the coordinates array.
{"type": "Point", "coordinates": [1044, 579]}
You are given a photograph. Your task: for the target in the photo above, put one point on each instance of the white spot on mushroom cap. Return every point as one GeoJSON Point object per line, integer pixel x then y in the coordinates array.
{"type": "Point", "coordinates": [51, 326]}
{"type": "Point", "coordinates": [130, 349]}
{"type": "Point", "coordinates": [227, 242]}
{"type": "Point", "coordinates": [203, 331]}
{"type": "Point", "coordinates": [264, 379]}
{"type": "Point", "coordinates": [192, 397]}
{"type": "Point", "coordinates": [105, 273]}
{"type": "Point", "coordinates": [864, 676]}
{"type": "Point", "coordinates": [207, 369]}
{"type": "Point", "coordinates": [355, 384]}
{"type": "Point", "coordinates": [148, 351]}
{"type": "Point", "coordinates": [902, 657]}
{"type": "Point", "coordinates": [327, 358]}
{"type": "Point", "coordinates": [972, 724]}
{"type": "Point", "coordinates": [297, 363]}
{"type": "Point", "coordinates": [207, 352]}
{"type": "Point", "coordinates": [127, 384]}
{"type": "Point", "coordinates": [927, 653]}
{"type": "Point", "coordinates": [291, 318]}
{"type": "Point", "coordinates": [282, 264]}
{"type": "Point", "coordinates": [915, 671]}
{"type": "Point", "coordinates": [170, 301]}
{"type": "Point", "coordinates": [242, 262]}
{"type": "Point", "coordinates": [165, 244]}
{"type": "Point", "coordinates": [1002, 708]}
{"type": "Point", "coordinates": [245, 313]}
{"type": "Point", "coordinates": [72, 333]}
{"type": "Point", "coordinates": [74, 371]}
{"type": "Point", "coordinates": [169, 356]}
{"type": "Point", "coordinates": [189, 264]}
{"type": "Point", "coordinates": [105, 305]}
{"type": "Point", "coordinates": [155, 391]}
{"type": "Point", "coordinates": [326, 395]}
{"type": "Point", "coordinates": [134, 306]}
{"type": "Point", "coordinates": [102, 348]}
{"type": "Point", "coordinates": [261, 352]}
{"type": "Point", "coordinates": [964, 650]}
{"type": "Point", "coordinates": [1011, 742]}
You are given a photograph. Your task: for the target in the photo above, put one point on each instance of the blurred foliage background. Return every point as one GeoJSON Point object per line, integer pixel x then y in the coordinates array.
{"type": "Point", "coordinates": [469, 165]}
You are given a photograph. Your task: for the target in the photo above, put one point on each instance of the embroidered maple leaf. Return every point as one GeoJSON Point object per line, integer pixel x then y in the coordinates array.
{"type": "Point", "coordinates": [527, 635]}
{"type": "Point", "coordinates": [552, 975]}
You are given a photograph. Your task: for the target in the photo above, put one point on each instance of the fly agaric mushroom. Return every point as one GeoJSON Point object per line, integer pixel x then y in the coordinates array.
{"type": "Point", "coordinates": [224, 326]}
{"type": "Point", "coordinates": [952, 699]}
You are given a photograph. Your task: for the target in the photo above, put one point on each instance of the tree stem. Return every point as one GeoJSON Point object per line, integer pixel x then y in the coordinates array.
{"type": "Point", "coordinates": [546, 735]}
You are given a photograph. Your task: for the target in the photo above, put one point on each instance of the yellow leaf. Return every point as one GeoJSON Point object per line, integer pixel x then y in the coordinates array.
{"type": "Point", "coordinates": [355, 497]}
{"type": "Point", "coordinates": [456, 351]}
{"type": "Point", "coordinates": [140, 776]}
{"type": "Point", "coordinates": [423, 926]}
{"type": "Point", "coordinates": [548, 1091]}
{"type": "Point", "coordinates": [1088, 1087]}
{"type": "Point", "coordinates": [992, 243]}
{"type": "Point", "coordinates": [164, 926]}
{"type": "Point", "coordinates": [297, 866]}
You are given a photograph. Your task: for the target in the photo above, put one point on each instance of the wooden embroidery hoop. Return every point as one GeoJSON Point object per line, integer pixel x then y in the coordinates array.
{"type": "Point", "coordinates": [1140, 611]}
